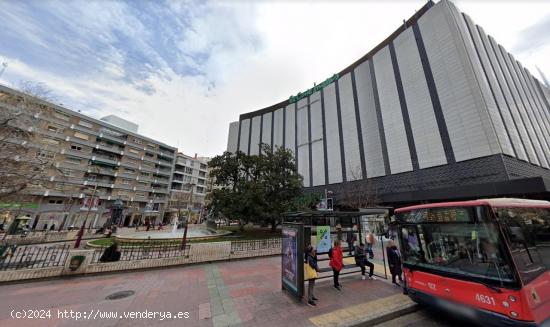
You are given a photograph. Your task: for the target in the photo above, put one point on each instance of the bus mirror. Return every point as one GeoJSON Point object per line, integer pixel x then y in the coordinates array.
{"type": "Point", "coordinates": [517, 234]}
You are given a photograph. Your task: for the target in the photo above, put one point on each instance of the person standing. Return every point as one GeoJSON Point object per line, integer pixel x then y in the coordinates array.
{"type": "Point", "coordinates": [361, 261]}
{"type": "Point", "coordinates": [350, 239]}
{"type": "Point", "coordinates": [313, 268]}
{"type": "Point", "coordinates": [371, 240]}
{"type": "Point", "coordinates": [336, 263]}
{"type": "Point", "coordinates": [394, 260]}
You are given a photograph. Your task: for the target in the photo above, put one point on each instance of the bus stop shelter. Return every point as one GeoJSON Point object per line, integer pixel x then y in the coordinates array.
{"type": "Point", "coordinates": [320, 229]}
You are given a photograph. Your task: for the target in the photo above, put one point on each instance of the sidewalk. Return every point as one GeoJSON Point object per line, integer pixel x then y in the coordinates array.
{"type": "Point", "coordinates": [239, 293]}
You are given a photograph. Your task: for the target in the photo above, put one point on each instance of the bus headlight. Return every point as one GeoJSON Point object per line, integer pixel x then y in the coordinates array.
{"type": "Point", "coordinates": [512, 298]}
{"type": "Point", "coordinates": [513, 314]}
{"type": "Point", "coordinates": [505, 304]}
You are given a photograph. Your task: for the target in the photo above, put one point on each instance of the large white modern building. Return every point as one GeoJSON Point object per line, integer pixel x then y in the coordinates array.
{"type": "Point", "coordinates": [438, 110]}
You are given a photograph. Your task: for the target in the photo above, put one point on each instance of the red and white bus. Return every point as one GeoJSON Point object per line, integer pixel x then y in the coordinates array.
{"type": "Point", "coordinates": [486, 259]}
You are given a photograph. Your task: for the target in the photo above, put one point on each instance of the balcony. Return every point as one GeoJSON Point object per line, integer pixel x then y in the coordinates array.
{"type": "Point", "coordinates": [161, 181]}
{"type": "Point", "coordinates": [163, 172]}
{"type": "Point", "coordinates": [166, 154]}
{"type": "Point", "coordinates": [109, 148]}
{"type": "Point", "coordinates": [119, 140]}
{"type": "Point", "coordinates": [104, 160]}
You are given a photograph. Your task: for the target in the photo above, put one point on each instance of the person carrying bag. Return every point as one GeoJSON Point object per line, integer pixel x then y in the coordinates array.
{"type": "Point", "coordinates": [310, 273]}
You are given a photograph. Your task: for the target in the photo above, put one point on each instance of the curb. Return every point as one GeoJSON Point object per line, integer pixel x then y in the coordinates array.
{"type": "Point", "coordinates": [387, 316]}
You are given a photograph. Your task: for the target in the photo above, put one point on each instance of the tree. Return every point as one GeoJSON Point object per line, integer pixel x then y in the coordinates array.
{"type": "Point", "coordinates": [255, 188]}
{"type": "Point", "coordinates": [358, 193]}
{"type": "Point", "coordinates": [23, 160]}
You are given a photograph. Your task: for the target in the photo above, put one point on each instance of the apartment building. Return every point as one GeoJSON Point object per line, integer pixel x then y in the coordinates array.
{"type": "Point", "coordinates": [189, 186]}
{"type": "Point", "coordinates": [95, 163]}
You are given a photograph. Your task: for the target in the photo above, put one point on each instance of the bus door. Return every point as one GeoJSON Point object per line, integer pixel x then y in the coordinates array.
{"type": "Point", "coordinates": [414, 245]}
{"type": "Point", "coordinates": [527, 232]}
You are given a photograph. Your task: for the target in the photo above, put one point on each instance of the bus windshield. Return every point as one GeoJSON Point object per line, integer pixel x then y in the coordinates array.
{"type": "Point", "coordinates": [452, 241]}
{"type": "Point", "coordinates": [527, 231]}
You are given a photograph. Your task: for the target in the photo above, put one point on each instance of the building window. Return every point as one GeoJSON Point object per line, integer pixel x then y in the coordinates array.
{"type": "Point", "coordinates": [134, 151]}
{"type": "Point", "coordinates": [62, 116]}
{"type": "Point", "coordinates": [129, 170]}
{"type": "Point", "coordinates": [85, 124]}
{"type": "Point", "coordinates": [188, 170]}
{"type": "Point", "coordinates": [200, 189]}
{"type": "Point", "coordinates": [131, 160]}
{"type": "Point", "coordinates": [203, 166]}
{"type": "Point", "coordinates": [202, 174]}
{"type": "Point", "coordinates": [55, 128]}
{"type": "Point", "coordinates": [68, 172]}
{"type": "Point", "coordinates": [81, 136]}
{"type": "Point", "coordinates": [201, 182]}
{"type": "Point", "coordinates": [73, 160]}
{"type": "Point", "coordinates": [150, 155]}
{"type": "Point", "coordinates": [76, 147]}
{"type": "Point", "coordinates": [55, 201]}
{"type": "Point", "coordinates": [138, 141]}
{"type": "Point", "coordinates": [148, 164]}
{"type": "Point", "coordinates": [45, 154]}
{"type": "Point", "coordinates": [187, 179]}
{"type": "Point", "coordinates": [50, 141]}
{"type": "Point", "coordinates": [145, 174]}
{"type": "Point", "coordinates": [143, 184]}
{"type": "Point", "coordinates": [152, 146]}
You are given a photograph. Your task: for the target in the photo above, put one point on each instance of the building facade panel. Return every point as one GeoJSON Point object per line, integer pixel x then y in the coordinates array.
{"type": "Point", "coordinates": [334, 160]}
{"type": "Point", "coordinates": [524, 127]}
{"type": "Point", "coordinates": [302, 135]}
{"type": "Point", "coordinates": [317, 139]}
{"type": "Point", "coordinates": [454, 82]}
{"type": "Point", "coordinates": [539, 103]}
{"type": "Point", "coordinates": [374, 160]}
{"type": "Point", "coordinates": [515, 146]}
{"type": "Point", "coordinates": [495, 120]}
{"type": "Point", "coordinates": [233, 137]}
{"type": "Point", "coordinates": [482, 98]}
{"type": "Point", "coordinates": [266, 128]}
{"type": "Point", "coordinates": [278, 128]}
{"type": "Point", "coordinates": [427, 139]}
{"type": "Point", "coordinates": [540, 92]}
{"type": "Point", "coordinates": [255, 135]}
{"type": "Point", "coordinates": [349, 129]}
{"type": "Point", "coordinates": [523, 105]}
{"type": "Point", "coordinates": [290, 128]}
{"type": "Point", "coordinates": [392, 118]}
{"type": "Point", "coordinates": [245, 135]}
{"type": "Point", "coordinates": [532, 109]}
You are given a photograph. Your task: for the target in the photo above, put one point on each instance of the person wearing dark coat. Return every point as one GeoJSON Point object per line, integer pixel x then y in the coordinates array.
{"type": "Point", "coordinates": [394, 261]}
{"type": "Point", "coordinates": [361, 261]}
{"type": "Point", "coordinates": [111, 254]}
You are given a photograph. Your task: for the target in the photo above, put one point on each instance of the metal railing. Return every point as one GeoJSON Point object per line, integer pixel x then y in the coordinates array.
{"type": "Point", "coordinates": [146, 250]}
{"type": "Point", "coordinates": [255, 245]}
{"type": "Point", "coordinates": [30, 257]}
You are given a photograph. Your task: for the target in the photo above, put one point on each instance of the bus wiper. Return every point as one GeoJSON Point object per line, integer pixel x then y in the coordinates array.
{"type": "Point", "coordinates": [489, 286]}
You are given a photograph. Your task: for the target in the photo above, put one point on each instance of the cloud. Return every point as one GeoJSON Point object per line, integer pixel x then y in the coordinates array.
{"type": "Point", "coordinates": [534, 37]}
{"type": "Point", "coordinates": [183, 70]}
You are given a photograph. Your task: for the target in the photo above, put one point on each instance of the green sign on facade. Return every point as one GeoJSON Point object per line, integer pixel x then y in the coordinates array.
{"type": "Point", "coordinates": [6, 205]}
{"type": "Point", "coordinates": [301, 95]}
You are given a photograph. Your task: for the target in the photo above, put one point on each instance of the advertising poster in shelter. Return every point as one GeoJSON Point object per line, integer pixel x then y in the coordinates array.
{"type": "Point", "coordinates": [323, 239]}
{"type": "Point", "coordinates": [292, 261]}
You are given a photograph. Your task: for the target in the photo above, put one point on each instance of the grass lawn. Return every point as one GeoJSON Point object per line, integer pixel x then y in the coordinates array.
{"type": "Point", "coordinates": [249, 233]}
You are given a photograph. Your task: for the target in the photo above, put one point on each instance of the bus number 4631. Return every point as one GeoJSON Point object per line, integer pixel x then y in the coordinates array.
{"type": "Point", "coordinates": [485, 299]}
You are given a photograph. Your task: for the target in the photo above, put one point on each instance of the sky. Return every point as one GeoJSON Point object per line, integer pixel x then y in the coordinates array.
{"type": "Point", "coordinates": [183, 70]}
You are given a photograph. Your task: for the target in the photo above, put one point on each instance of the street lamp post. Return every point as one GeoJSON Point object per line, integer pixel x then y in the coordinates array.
{"type": "Point", "coordinates": [81, 230]}
{"type": "Point", "coordinates": [186, 223]}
